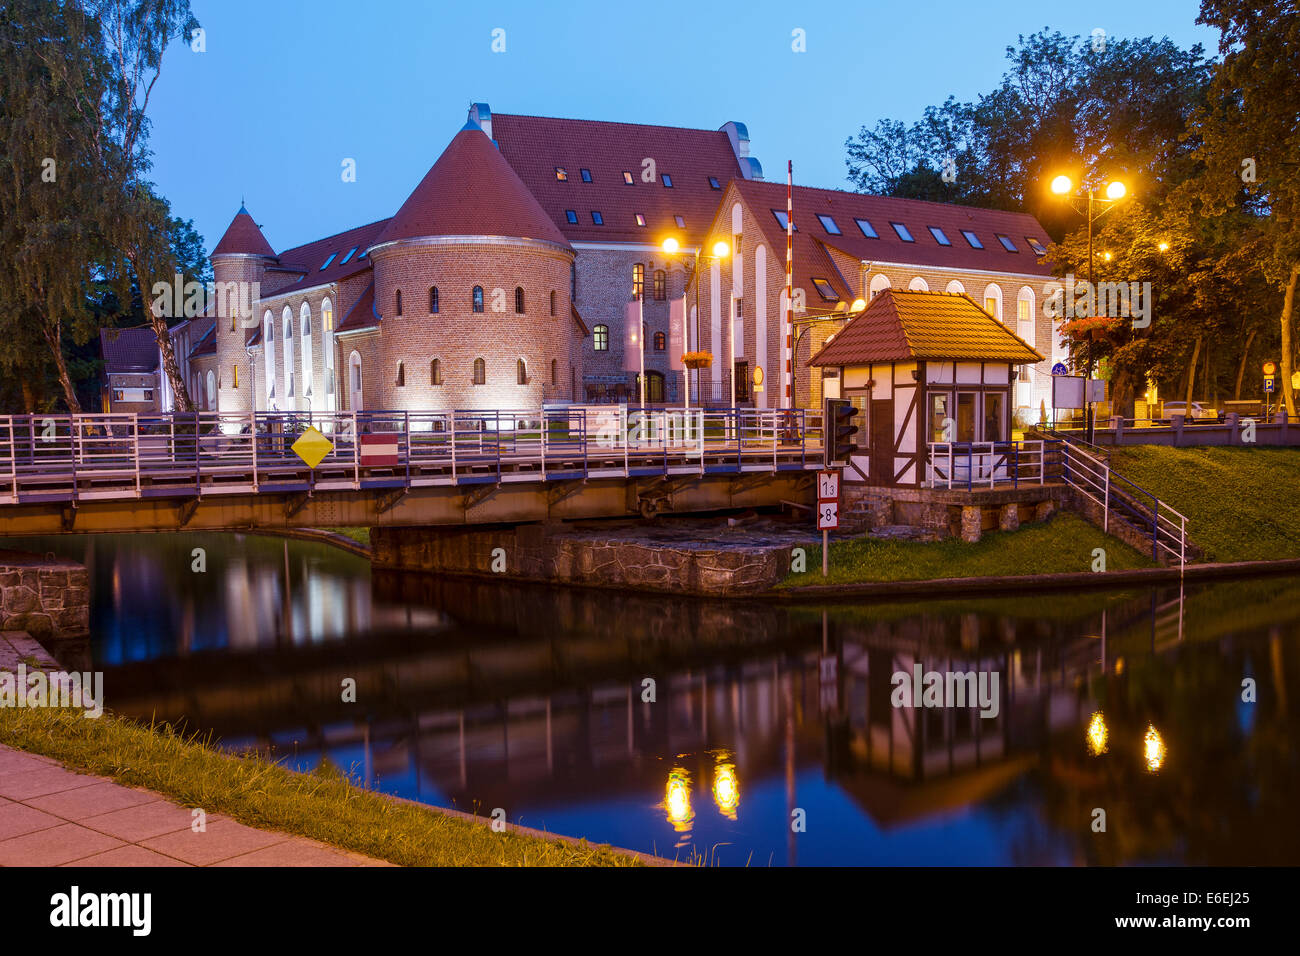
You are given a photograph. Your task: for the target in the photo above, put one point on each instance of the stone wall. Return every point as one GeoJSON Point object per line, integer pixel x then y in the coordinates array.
{"type": "Point", "coordinates": [46, 597]}
{"type": "Point", "coordinates": [677, 560]}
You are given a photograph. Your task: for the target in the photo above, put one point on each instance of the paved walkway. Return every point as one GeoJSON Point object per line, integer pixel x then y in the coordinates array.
{"type": "Point", "coordinates": [51, 816]}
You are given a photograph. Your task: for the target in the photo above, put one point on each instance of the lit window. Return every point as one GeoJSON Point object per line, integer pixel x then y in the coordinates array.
{"type": "Point", "coordinates": [902, 232]}
{"type": "Point", "coordinates": [973, 239]}
{"type": "Point", "coordinates": [1007, 244]}
{"type": "Point", "coordinates": [600, 338]}
{"type": "Point", "coordinates": [572, 216]}
{"type": "Point", "coordinates": [661, 342]}
{"type": "Point", "coordinates": [348, 258]}
{"type": "Point", "coordinates": [597, 218]}
{"type": "Point", "coordinates": [586, 175]}
{"type": "Point", "coordinates": [638, 280]}
{"type": "Point", "coordinates": [829, 224]}
{"type": "Point", "coordinates": [627, 178]}
{"type": "Point", "coordinates": [640, 219]}
{"type": "Point", "coordinates": [478, 298]}
{"type": "Point", "coordinates": [327, 262]}
{"type": "Point", "coordinates": [1038, 247]}
{"type": "Point", "coordinates": [939, 236]}
{"type": "Point", "coordinates": [668, 181]}
{"type": "Point", "coordinates": [780, 218]}
{"type": "Point", "coordinates": [867, 228]}
{"type": "Point", "coordinates": [560, 174]}
{"type": "Point", "coordinates": [824, 289]}
{"type": "Point", "coordinates": [681, 223]}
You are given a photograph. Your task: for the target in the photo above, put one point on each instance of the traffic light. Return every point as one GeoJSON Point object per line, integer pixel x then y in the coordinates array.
{"type": "Point", "coordinates": [840, 429]}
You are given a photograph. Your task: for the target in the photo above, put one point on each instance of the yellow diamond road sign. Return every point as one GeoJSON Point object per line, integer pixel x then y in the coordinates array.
{"type": "Point", "coordinates": [312, 447]}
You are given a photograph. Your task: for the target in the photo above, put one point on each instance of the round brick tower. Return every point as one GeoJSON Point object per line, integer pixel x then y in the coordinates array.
{"type": "Point", "coordinates": [497, 331]}
{"type": "Point", "coordinates": [238, 264]}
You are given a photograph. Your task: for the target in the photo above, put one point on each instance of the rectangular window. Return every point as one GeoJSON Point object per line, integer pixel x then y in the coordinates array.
{"type": "Point", "coordinates": [348, 258]}
{"type": "Point", "coordinates": [1007, 244]}
{"type": "Point", "coordinates": [824, 289]}
{"type": "Point", "coordinates": [1022, 310]}
{"type": "Point", "coordinates": [973, 239]}
{"type": "Point", "coordinates": [596, 218]}
{"type": "Point", "coordinates": [965, 416]}
{"type": "Point", "coordinates": [327, 262]}
{"type": "Point", "coordinates": [627, 178]}
{"type": "Point", "coordinates": [867, 228]}
{"type": "Point", "coordinates": [560, 174]}
{"type": "Point", "coordinates": [902, 232]}
{"type": "Point", "coordinates": [993, 406]}
{"type": "Point", "coordinates": [668, 181]}
{"type": "Point", "coordinates": [740, 308]}
{"type": "Point", "coordinates": [640, 219]}
{"type": "Point", "coordinates": [586, 175]}
{"type": "Point", "coordinates": [939, 236]}
{"type": "Point", "coordinates": [681, 223]}
{"type": "Point", "coordinates": [572, 216]}
{"type": "Point", "coordinates": [713, 183]}
{"type": "Point", "coordinates": [991, 306]}
{"type": "Point", "coordinates": [940, 411]}
{"type": "Point", "coordinates": [829, 224]}
{"type": "Point", "coordinates": [1038, 247]}
{"type": "Point", "coordinates": [780, 218]}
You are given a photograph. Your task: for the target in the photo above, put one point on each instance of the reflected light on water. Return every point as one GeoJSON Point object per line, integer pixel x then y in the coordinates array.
{"type": "Point", "coordinates": [726, 790]}
{"type": "Point", "coordinates": [677, 800]}
{"type": "Point", "coordinates": [1098, 735]}
{"type": "Point", "coordinates": [1154, 749]}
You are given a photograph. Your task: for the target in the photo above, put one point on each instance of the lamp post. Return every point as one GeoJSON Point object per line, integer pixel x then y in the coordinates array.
{"type": "Point", "coordinates": [720, 251]}
{"type": "Point", "coordinates": [1115, 191]}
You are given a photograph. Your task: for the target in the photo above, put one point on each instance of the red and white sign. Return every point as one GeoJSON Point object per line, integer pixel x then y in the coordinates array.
{"type": "Point", "coordinates": [828, 515]}
{"type": "Point", "coordinates": [828, 485]}
{"type": "Point", "coordinates": [380, 449]}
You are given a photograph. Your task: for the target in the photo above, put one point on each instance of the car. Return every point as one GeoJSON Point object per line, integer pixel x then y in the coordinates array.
{"type": "Point", "coordinates": [1199, 413]}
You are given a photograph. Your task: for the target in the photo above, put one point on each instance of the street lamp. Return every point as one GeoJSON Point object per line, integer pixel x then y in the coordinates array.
{"type": "Point", "coordinates": [1115, 191]}
{"type": "Point", "coordinates": [720, 250]}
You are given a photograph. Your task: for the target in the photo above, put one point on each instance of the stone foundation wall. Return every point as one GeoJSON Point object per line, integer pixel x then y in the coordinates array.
{"type": "Point", "coordinates": [46, 597]}
{"type": "Point", "coordinates": [592, 558]}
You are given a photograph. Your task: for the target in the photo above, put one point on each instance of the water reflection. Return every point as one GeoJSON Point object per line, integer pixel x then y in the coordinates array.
{"type": "Point", "coordinates": [483, 695]}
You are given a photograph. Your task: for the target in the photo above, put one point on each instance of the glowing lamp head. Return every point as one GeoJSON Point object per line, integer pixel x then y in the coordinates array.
{"type": "Point", "coordinates": [1164, 247]}
{"type": "Point", "coordinates": [1062, 185]}
{"type": "Point", "coordinates": [721, 249]}
{"type": "Point", "coordinates": [858, 305]}
{"type": "Point", "coordinates": [671, 245]}
{"type": "Point", "coordinates": [1153, 749]}
{"type": "Point", "coordinates": [1116, 190]}
{"type": "Point", "coordinates": [1098, 735]}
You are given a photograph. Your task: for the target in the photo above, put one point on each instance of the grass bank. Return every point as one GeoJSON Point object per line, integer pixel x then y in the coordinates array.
{"type": "Point", "coordinates": [1062, 545]}
{"type": "Point", "coordinates": [323, 806]}
{"type": "Point", "coordinates": [360, 535]}
{"type": "Point", "coordinates": [1238, 501]}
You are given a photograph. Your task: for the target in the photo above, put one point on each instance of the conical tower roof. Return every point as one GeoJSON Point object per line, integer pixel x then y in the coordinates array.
{"type": "Point", "coordinates": [243, 238]}
{"type": "Point", "coordinates": [471, 191]}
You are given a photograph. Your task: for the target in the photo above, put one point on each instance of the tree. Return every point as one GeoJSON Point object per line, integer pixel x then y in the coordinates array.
{"type": "Point", "coordinates": [1250, 142]}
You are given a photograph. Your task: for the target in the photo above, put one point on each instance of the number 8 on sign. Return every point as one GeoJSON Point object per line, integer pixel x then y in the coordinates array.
{"type": "Point", "coordinates": [828, 515]}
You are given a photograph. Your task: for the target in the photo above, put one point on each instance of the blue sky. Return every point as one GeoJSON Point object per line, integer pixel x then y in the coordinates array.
{"type": "Point", "coordinates": [288, 89]}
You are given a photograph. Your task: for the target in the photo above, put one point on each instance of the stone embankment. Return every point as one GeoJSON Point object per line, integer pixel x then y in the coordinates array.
{"type": "Point", "coordinates": [47, 597]}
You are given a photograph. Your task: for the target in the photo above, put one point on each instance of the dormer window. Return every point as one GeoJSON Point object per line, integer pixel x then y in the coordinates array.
{"type": "Point", "coordinates": [713, 183]}
{"type": "Point", "coordinates": [668, 181]}
{"type": "Point", "coordinates": [1038, 247]}
{"type": "Point", "coordinates": [902, 232]}
{"type": "Point", "coordinates": [939, 236]}
{"type": "Point", "coordinates": [781, 218]}
{"type": "Point", "coordinates": [829, 224]}
{"type": "Point", "coordinates": [681, 223]}
{"type": "Point", "coordinates": [627, 178]}
{"type": "Point", "coordinates": [973, 239]}
{"type": "Point", "coordinates": [640, 219]}
{"type": "Point", "coordinates": [824, 289]}
{"type": "Point", "coordinates": [867, 229]}
{"type": "Point", "coordinates": [586, 175]}
{"type": "Point", "coordinates": [561, 175]}
{"type": "Point", "coordinates": [572, 216]}
{"type": "Point", "coordinates": [597, 218]}
{"type": "Point", "coordinates": [1007, 244]}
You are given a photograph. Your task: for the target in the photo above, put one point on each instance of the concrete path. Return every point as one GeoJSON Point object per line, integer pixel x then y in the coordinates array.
{"type": "Point", "coordinates": [51, 816]}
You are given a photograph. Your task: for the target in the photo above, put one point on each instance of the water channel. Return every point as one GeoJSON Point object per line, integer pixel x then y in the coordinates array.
{"type": "Point", "coordinates": [478, 695]}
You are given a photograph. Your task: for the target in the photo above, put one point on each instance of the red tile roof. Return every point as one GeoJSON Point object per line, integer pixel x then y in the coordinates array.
{"type": "Point", "coordinates": [901, 326]}
{"type": "Point", "coordinates": [536, 145]}
{"type": "Point", "coordinates": [242, 236]}
{"type": "Point", "coordinates": [129, 350]}
{"type": "Point", "coordinates": [915, 214]}
{"type": "Point", "coordinates": [362, 315]}
{"type": "Point", "coordinates": [471, 191]}
{"type": "Point", "coordinates": [308, 259]}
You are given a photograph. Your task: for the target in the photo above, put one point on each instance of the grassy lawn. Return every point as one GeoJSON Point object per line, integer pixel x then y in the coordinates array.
{"type": "Point", "coordinates": [1238, 501]}
{"type": "Point", "coordinates": [1063, 544]}
{"type": "Point", "coordinates": [323, 806]}
{"type": "Point", "coordinates": [359, 535]}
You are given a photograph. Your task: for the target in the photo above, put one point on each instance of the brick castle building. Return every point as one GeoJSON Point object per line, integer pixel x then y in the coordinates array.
{"type": "Point", "coordinates": [504, 279]}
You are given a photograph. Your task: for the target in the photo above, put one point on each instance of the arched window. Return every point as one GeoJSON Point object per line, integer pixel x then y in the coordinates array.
{"type": "Point", "coordinates": [879, 283]}
{"type": "Point", "coordinates": [993, 300]}
{"type": "Point", "coordinates": [478, 298]}
{"type": "Point", "coordinates": [435, 372]}
{"type": "Point", "coordinates": [661, 285]}
{"type": "Point", "coordinates": [555, 372]}
{"type": "Point", "coordinates": [355, 396]}
{"type": "Point", "coordinates": [401, 374]}
{"type": "Point", "coordinates": [519, 299]}
{"type": "Point", "coordinates": [397, 302]}
{"type": "Point", "coordinates": [552, 302]}
{"type": "Point", "coordinates": [600, 338]}
{"type": "Point", "coordinates": [956, 288]}
{"type": "Point", "coordinates": [268, 353]}
{"type": "Point", "coordinates": [327, 346]}
{"type": "Point", "coordinates": [521, 372]}
{"type": "Point", "coordinates": [1025, 314]}
{"type": "Point", "coordinates": [480, 372]}
{"type": "Point", "coordinates": [661, 342]}
{"type": "Point", "coordinates": [287, 321]}
{"type": "Point", "coordinates": [212, 391]}
{"type": "Point", "coordinates": [918, 285]}
{"type": "Point", "coordinates": [433, 300]}
{"type": "Point", "coordinates": [638, 281]}
{"type": "Point", "coordinates": [304, 330]}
